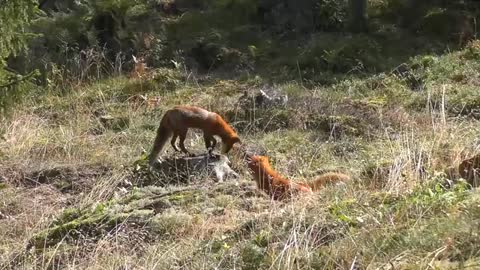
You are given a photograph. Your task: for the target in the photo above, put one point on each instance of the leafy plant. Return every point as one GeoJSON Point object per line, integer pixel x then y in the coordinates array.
{"type": "Point", "coordinates": [15, 17]}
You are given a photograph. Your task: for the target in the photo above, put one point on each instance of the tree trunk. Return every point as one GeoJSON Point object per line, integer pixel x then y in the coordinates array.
{"type": "Point", "coordinates": [358, 15]}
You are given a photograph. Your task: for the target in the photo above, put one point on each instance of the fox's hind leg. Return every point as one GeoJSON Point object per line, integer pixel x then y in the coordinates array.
{"type": "Point", "coordinates": [173, 142]}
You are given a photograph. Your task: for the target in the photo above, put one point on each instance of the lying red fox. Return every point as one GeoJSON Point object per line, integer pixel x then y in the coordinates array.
{"type": "Point", "coordinates": [278, 187]}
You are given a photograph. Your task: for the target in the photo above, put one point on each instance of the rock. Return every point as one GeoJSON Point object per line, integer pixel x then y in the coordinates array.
{"type": "Point", "coordinates": [270, 97]}
{"type": "Point", "coordinates": [114, 123]}
{"type": "Point", "coordinates": [185, 168]}
{"type": "Point", "coordinates": [413, 80]}
{"type": "Point", "coordinates": [265, 109]}
{"type": "Point", "coordinates": [266, 97]}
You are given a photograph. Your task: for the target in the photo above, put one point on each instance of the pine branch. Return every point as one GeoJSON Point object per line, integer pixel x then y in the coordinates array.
{"type": "Point", "coordinates": [21, 79]}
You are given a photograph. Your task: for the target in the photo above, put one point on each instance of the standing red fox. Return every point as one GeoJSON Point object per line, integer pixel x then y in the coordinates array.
{"type": "Point", "coordinates": [177, 121]}
{"type": "Point", "coordinates": [278, 187]}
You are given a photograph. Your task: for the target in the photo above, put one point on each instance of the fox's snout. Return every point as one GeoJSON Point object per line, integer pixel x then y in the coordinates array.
{"type": "Point", "coordinates": [228, 145]}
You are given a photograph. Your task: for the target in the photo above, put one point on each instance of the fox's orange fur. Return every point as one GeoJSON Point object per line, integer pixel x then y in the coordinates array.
{"type": "Point", "coordinates": [177, 121]}
{"type": "Point", "coordinates": [326, 179]}
{"type": "Point", "coordinates": [278, 187]}
{"type": "Point", "coordinates": [270, 181]}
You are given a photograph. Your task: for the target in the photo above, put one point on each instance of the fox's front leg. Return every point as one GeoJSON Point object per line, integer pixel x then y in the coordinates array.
{"type": "Point", "coordinates": [214, 142]}
{"type": "Point", "coordinates": [210, 143]}
{"type": "Point", "coordinates": [173, 142]}
{"type": "Point", "coordinates": [183, 135]}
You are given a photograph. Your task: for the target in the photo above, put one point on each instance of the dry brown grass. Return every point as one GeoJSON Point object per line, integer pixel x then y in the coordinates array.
{"type": "Point", "coordinates": [388, 217]}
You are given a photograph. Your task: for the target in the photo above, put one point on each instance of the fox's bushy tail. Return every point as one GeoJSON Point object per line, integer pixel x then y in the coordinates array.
{"type": "Point", "coordinates": [328, 178]}
{"type": "Point", "coordinates": [163, 134]}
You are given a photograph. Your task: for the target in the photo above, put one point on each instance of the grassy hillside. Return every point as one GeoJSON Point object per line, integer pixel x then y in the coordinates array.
{"type": "Point", "coordinates": [67, 159]}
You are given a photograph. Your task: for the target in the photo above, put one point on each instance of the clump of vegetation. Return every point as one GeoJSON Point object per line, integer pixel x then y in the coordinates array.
{"type": "Point", "coordinates": [15, 19]}
{"type": "Point", "coordinates": [140, 208]}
